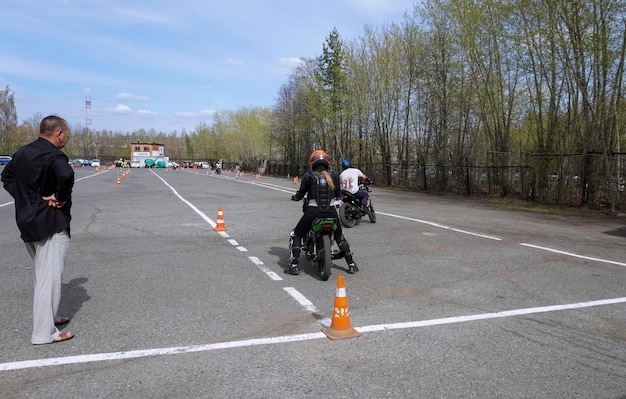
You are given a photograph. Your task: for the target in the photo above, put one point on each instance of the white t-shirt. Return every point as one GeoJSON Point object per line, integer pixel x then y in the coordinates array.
{"type": "Point", "coordinates": [350, 179]}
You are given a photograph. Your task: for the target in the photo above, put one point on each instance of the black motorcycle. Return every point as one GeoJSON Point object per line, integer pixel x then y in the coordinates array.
{"type": "Point", "coordinates": [350, 212]}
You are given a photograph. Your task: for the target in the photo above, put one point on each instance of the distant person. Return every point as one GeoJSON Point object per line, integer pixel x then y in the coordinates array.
{"type": "Point", "coordinates": [319, 186]}
{"type": "Point", "coordinates": [350, 180]}
{"type": "Point", "coordinates": [218, 166]}
{"type": "Point", "coordinates": [40, 180]}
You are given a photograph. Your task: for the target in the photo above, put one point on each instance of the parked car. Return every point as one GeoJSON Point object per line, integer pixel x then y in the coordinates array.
{"type": "Point", "coordinates": [135, 163]}
{"type": "Point", "coordinates": [173, 165]}
{"type": "Point", "coordinates": [5, 159]}
{"type": "Point", "coordinates": [95, 163]}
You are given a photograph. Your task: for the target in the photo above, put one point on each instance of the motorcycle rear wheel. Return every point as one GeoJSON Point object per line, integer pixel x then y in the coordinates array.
{"type": "Point", "coordinates": [324, 256]}
{"type": "Point", "coordinates": [345, 210]}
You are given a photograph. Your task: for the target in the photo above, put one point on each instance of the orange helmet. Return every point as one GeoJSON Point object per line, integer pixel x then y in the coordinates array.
{"type": "Point", "coordinates": [319, 157]}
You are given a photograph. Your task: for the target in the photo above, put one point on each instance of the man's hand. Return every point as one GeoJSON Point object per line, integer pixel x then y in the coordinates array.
{"type": "Point", "coordinates": [293, 198]}
{"type": "Point", "coordinates": [53, 202]}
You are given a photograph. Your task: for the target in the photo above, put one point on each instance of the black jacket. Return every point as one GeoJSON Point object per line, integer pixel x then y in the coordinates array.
{"type": "Point", "coordinates": [37, 170]}
{"type": "Point", "coordinates": [318, 195]}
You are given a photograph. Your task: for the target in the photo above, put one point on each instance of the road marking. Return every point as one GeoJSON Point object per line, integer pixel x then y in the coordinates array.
{"type": "Point", "coordinates": [573, 254]}
{"type": "Point", "coordinates": [301, 299]}
{"type": "Point", "coordinates": [441, 226]}
{"type": "Point", "coordinates": [189, 204]}
{"type": "Point", "coordinates": [231, 241]}
{"type": "Point", "coordinates": [256, 183]}
{"type": "Point", "coordinates": [264, 269]}
{"type": "Point", "coordinates": [485, 316]}
{"type": "Point", "coordinates": [102, 357]}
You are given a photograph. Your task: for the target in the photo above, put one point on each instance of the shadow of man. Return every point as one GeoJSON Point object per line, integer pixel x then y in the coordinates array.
{"type": "Point", "coordinates": [73, 296]}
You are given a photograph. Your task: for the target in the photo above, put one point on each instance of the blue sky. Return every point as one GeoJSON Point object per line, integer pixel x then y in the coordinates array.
{"type": "Point", "coordinates": [166, 65]}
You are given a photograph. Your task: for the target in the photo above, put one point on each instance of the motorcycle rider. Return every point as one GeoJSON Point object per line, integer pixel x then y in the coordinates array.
{"type": "Point", "coordinates": [321, 186]}
{"type": "Point", "coordinates": [350, 182]}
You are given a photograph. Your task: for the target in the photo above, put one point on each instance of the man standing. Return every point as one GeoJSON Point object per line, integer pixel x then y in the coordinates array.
{"type": "Point", "coordinates": [40, 180]}
{"type": "Point", "coordinates": [350, 179]}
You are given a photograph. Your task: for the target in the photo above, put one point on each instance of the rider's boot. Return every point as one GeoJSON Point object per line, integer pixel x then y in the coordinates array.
{"type": "Point", "coordinates": [364, 208]}
{"type": "Point", "coordinates": [352, 268]}
{"type": "Point", "coordinates": [345, 248]}
{"type": "Point", "coordinates": [295, 247]}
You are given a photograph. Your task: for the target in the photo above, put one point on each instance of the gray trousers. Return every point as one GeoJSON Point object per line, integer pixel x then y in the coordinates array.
{"type": "Point", "coordinates": [49, 256]}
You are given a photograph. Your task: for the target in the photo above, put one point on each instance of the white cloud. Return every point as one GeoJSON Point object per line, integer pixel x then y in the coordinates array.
{"type": "Point", "coordinates": [129, 97]}
{"type": "Point", "coordinates": [122, 109]}
{"type": "Point", "coordinates": [156, 52]}
{"type": "Point", "coordinates": [185, 114]}
{"type": "Point", "coordinates": [202, 113]}
{"type": "Point", "coordinates": [285, 66]}
{"type": "Point", "coordinates": [145, 112]}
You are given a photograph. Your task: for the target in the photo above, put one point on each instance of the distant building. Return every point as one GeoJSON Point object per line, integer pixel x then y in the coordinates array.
{"type": "Point", "coordinates": [142, 151]}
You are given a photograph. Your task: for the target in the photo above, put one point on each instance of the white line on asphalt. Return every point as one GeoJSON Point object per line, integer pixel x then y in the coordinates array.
{"type": "Point", "coordinates": [484, 316]}
{"type": "Point", "coordinates": [441, 226]}
{"type": "Point", "coordinates": [189, 204]}
{"type": "Point", "coordinates": [301, 299]}
{"type": "Point", "coordinates": [574, 255]}
{"type": "Point", "coordinates": [262, 184]}
{"type": "Point", "coordinates": [100, 357]}
{"type": "Point", "coordinates": [232, 242]}
{"type": "Point", "coordinates": [264, 269]}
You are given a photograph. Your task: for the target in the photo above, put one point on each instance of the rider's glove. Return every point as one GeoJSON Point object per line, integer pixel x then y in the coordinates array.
{"type": "Point", "coordinates": [293, 198]}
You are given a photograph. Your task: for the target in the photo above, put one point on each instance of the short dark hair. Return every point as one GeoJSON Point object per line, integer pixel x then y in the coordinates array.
{"type": "Point", "coordinates": [52, 123]}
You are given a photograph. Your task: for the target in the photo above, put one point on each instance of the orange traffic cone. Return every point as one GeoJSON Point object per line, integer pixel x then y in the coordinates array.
{"type": "Point", "coordinates": [340, 326]}
{"type": "Point", "coordinates": [118, 181]}
{"type": "Point", "coordinates": [220, 221]}
{"type": "Point", "coordinates": [295, 180]}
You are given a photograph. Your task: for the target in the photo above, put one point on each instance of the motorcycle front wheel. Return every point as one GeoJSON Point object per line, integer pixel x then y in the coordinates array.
{"type": "Point", "coordinates": [345, 210]}
{"type": "Point", "coordinates": [371, 213]}
{"type": "Point", "coordinates": [324, 256]}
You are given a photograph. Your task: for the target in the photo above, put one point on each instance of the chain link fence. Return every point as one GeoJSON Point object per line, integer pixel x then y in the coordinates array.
{"type": "Point", "coordinates": [549, 180]}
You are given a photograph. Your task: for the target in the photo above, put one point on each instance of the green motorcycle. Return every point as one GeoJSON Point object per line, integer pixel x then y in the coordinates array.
{"type": "Point", "coordinates": [318, 245]}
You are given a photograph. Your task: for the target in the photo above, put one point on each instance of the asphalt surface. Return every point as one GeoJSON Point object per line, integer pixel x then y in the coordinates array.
{"type": "Point", "coordinates": [453, 300]}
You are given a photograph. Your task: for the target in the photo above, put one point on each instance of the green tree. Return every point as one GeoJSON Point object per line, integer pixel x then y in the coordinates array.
{"type": "Point", "coordinates": [333, 90]}
{"type": "Point", "coordinates": [8, 119]}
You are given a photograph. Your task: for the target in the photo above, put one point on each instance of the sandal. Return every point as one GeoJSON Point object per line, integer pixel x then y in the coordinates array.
{"type": "Point", "coordinates": [63, 336]}
{"type": "Point", "coordinates": [61, 320]}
